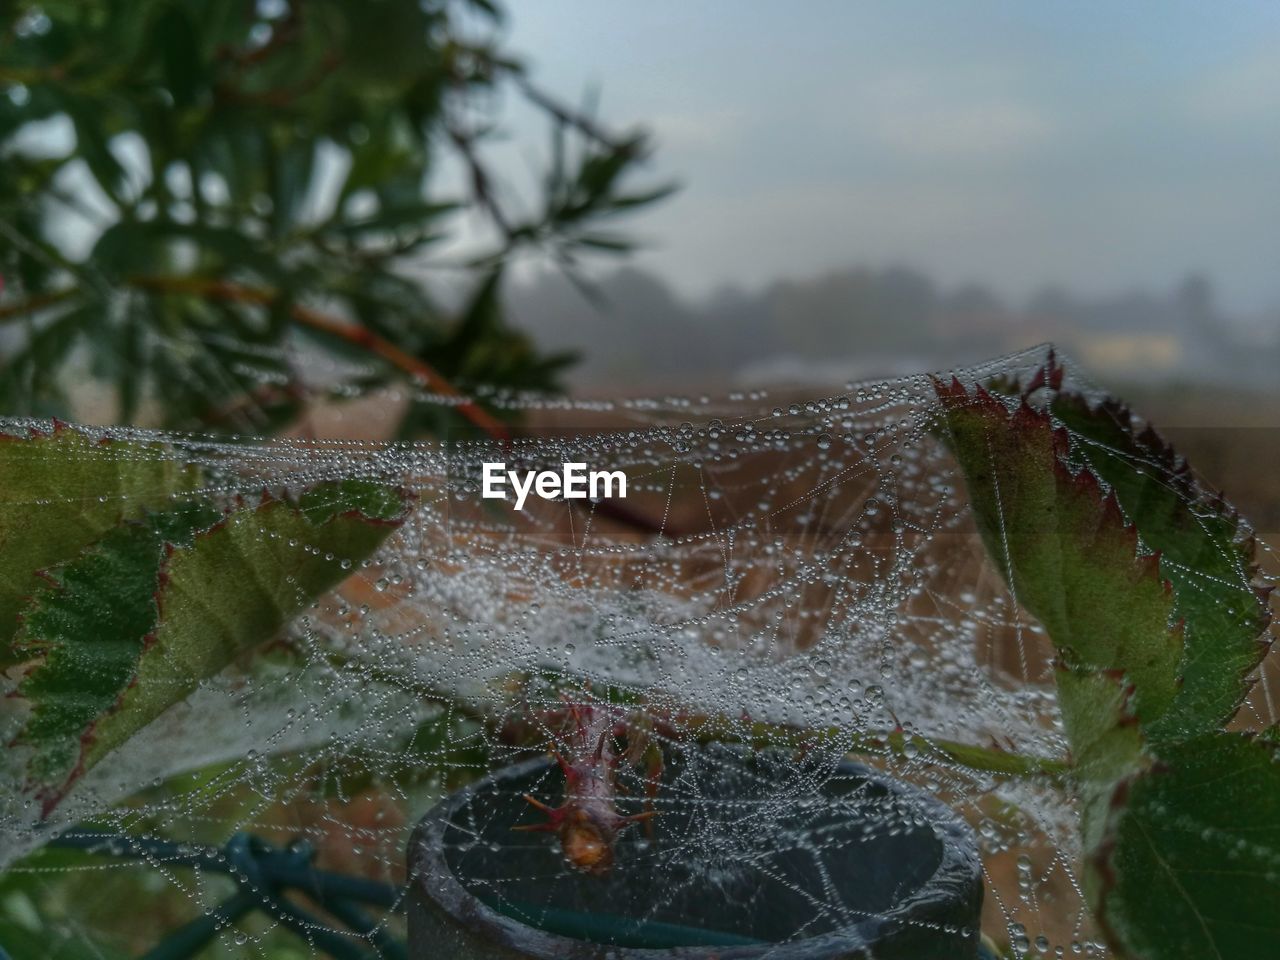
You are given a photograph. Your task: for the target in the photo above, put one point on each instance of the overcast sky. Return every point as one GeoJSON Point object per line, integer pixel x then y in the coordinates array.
{"type": "Point", "coordinates": [1102, 146]}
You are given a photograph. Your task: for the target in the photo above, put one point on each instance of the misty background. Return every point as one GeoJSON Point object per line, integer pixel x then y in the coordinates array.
{"type": "Point", "coordinates": [877, 187]}
{"type": "Point", "coordinates": [862, 322]}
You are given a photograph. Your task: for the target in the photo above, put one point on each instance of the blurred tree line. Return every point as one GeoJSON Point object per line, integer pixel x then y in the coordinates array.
{"type": "Point", "coordinates": [860, 321]}
{"type": "Point", "coordinates": [214, 206]}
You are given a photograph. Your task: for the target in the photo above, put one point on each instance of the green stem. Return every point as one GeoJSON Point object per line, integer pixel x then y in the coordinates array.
{"type": "Point", "coordinates": [707, 728]}
{"type": "Point", "coordinates": [893, 743]}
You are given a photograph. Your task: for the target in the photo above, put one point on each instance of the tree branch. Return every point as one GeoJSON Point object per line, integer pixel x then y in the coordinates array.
{"type": "Point", "coordinates": [572, 118]}
{"type": "Point", "coordinates": [360, 337]}
{"type": "Point", "coordinates": [15, 311]}
{"type": "Point", "coordinates": [481, 187]}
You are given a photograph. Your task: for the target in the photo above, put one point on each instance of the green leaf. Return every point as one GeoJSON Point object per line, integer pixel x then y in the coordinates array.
{"type": "Point", "coordinates": [131, 247]}
{"type": "Point", "coordinates": [1097, 713]}
{"type": "Point", "coordinates": [28, 375]}
{"type": "Point", "coordinates": [93, 145]}
{"type": "Point", "coordinates": [644, 199]}
{"type": "Point", "coordinates": [1064, 547]}
{"type": "Point", "coordinates": [239, 584]}
{"type": "Point", "coordinates": [483, 316]}
{"type": "Point", "coordinates": [60, 491]}
{"type": "Point", "coordinates": [134, 624]}
{"type": "Point", "coordinates": [1189, 868]}
{"type": "Point", "coordinates": [1205, 551]}
{"type": "Point", "coordinates": [291, 170]}
{"type": "Point", "coordinates": [385, 41]}
{"type": "Point", "coordinates": [1180, 820]}
{"type": "Point", "coordinates": [1106, 741]}
{"type": "Point", "coordinates": [417, 213]}
{"type": "Point", "coordinates": [353, 499]}
{"type": "Point", "coordinates": [175, 44]}
{"type": "Point", "coordinates": [607, 242]}
{"type": "Point", "coordinates": [88, 626]}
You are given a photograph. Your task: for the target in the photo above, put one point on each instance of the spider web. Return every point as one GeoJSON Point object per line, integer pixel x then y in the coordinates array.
{"type": "Point", "coordinates": [788, 582]}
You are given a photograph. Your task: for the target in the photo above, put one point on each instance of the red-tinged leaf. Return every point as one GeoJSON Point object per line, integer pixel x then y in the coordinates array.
{"type": "Point", "coordinates": [173, 603]}
{"type": "Point", "coordinates": [1206, 552]}
{"type": "Point", "coordinates": [60, 491]}
{"type": "Point", "coordinates": [85, 629]}
{"type": "Point", "coordinates": [1064, 547]}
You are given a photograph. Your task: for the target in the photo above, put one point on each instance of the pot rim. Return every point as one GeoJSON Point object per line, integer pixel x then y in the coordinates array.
{"type": "Point", "coordinates": [958, 870]}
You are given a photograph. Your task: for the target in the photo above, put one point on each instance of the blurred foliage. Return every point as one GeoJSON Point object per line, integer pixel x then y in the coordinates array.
{"type": "Point", "coordinates": [221, 210]}
{"type": "Point", "coordinates": [257, 180]}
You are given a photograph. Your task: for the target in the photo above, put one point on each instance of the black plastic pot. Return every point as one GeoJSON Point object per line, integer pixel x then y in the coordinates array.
{"type": "Point", "coordinates": [867, 867]}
